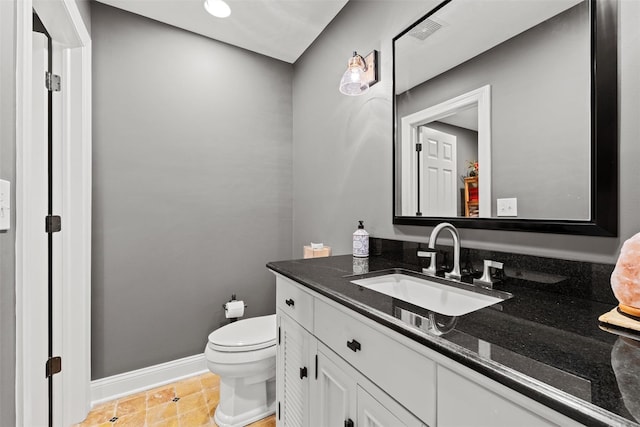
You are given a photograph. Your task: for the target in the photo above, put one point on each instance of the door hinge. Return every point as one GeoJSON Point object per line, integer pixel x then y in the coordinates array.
{"type": "Point", "coordinates": [316, 366]}
{"type": "Point", "coordinates": [52, 82]}
{"type": "Point", "coordinates": [303, 372]}
{"type": "Point", "coordinates": [278, 335]}
{"type": "Point", "coordinates": [52, 223]}
{"type": "Point", "coordinates": [278, 410]}
{"type": "Point", "coordinates": [418, 147]}
{"type": "Point", "coordinates": [53, 366]}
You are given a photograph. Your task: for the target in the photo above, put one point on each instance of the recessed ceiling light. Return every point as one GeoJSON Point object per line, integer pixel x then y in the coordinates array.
{"type": "Point", "coordinates": [217, 8]}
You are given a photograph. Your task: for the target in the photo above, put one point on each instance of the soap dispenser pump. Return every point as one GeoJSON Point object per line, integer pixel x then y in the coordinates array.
{"type": "Point", "coordinates": [361, 241]}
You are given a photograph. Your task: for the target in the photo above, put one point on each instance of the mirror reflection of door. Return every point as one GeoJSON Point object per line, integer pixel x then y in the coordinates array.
{"type": "Point", "coordinates": [439, 188]}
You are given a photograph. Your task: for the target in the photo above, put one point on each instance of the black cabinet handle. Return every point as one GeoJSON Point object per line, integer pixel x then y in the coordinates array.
{"type": "Point", "coordinates": [303, 372]}
{"type": "Point", "coordinates": [354, 345]}
{"type": "Point", "coordinates": [348, 423]}
{"type": "Point", "coordinates": [290, 302]}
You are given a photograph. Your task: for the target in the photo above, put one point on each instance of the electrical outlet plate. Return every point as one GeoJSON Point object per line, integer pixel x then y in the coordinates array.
{"type": "Point", "coordinates": [508, 207]}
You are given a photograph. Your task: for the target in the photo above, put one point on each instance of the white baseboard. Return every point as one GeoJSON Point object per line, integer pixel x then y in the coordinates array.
{"type": "Point", "coordinates": [116, 386]}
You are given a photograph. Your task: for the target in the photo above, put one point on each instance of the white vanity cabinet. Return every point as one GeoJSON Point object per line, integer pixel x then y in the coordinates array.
{"type": "Point", "coordinates": [405, 374]}
{"type": "Point", "coordinates": [315, 386]}
{"type": "Point", "coordinates": [336, 367]}
{"type": "Point", "coordinates": [343, 396]}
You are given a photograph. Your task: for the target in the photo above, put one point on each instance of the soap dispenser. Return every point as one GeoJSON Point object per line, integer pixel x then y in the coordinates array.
{"type": "Point", "coordinates": [361, 241]}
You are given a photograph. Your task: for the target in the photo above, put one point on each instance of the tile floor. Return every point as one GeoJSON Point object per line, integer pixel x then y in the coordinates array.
{"type": "Point", "coordinates": [188, 403]}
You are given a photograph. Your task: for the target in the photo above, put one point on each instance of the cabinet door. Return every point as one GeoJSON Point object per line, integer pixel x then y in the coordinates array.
{"type": "Point", "coordinates": [292, 372]}
{"type": "Point", "coordinates": [372, 413]}
{"type": "Point", "coordinates": [333, 394]}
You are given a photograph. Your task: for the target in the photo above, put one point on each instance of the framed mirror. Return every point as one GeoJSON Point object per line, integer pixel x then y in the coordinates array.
{"type": "Point", "coordinates": [505, 117]}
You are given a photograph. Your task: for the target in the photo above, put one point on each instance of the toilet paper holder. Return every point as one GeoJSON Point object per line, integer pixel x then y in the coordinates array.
{"type": "Point", "coordinates": [233, 298]}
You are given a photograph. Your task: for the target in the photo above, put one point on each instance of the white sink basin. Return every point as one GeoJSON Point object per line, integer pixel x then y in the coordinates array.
{"type": "Point", "coordinates": [432, 295]}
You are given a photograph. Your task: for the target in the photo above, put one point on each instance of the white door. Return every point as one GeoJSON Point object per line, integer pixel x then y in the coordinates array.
{"type": "Point", "coordinates": [47, 202]}
{"type": "Point", "coordinates": [38, 275]}
{"type": "Point", "coordinates": [71, 182]}
{"type": "Point", "coordinates": [333, 395]}
{"type": "Point", "coordinates": [438, 169]}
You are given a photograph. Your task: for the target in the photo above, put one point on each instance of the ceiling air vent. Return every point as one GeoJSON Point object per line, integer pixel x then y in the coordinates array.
{"type": "Point", "coordinates": [425, 29]}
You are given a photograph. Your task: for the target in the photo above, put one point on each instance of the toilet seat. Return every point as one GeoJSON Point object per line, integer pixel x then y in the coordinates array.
{"type": "Point", "coordinates": [246, 335]}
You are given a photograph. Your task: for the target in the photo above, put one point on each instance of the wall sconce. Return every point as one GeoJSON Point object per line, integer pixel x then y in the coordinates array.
{"type": "Point", "coordinates": [361, 74]}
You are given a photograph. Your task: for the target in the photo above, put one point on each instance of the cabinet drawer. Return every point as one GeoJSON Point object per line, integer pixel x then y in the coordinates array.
{"type": "Point", "coordinates": [404, 374]}
{"type": "Point", "coordinates": [295, 302]}
{"type": "Point", "coordinates": [487, 403]}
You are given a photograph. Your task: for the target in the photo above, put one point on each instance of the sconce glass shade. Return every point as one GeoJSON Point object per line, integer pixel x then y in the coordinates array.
{"type": "Point", "coordinates": [217, 8]}
{"type": "Point", "coordinates": [353, 80]}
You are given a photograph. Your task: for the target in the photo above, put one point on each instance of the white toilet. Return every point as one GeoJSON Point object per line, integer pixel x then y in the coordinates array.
{"type": "Point", "coordinates": [243, 354]}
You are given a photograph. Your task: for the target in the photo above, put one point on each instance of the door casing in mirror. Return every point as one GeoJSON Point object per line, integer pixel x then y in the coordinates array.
{"type": "Point", "coordinates": [603, 219]}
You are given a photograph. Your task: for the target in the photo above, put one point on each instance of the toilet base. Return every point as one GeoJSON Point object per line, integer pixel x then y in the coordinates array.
{"type": "Point", "coordinates": [242, 403]}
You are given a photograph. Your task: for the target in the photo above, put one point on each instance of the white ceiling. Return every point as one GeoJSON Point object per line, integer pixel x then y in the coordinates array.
{"type": "Point", "coordinates": [281, 29]}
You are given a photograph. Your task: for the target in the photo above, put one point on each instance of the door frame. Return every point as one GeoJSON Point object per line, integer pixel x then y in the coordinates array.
{"type": "Point", "coordinates": [72, 315]}
{"type": "Point", "coordinates": [409, 126]}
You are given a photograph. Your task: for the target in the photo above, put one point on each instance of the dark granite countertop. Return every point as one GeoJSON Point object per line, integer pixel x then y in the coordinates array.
{"type": "Point", "coordinates": [546, 345]}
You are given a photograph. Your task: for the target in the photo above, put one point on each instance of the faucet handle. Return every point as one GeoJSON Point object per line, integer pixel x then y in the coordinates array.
{"type": "Point", "coordinates": [494, 264]}
{"type": "Point", "coordinates": [430, 253]}
{"type": "Point", "coordinates": [486, 279]}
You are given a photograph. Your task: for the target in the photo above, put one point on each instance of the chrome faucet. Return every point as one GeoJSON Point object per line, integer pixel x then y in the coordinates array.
{"type": "Point", "coordinates": [431, 253]}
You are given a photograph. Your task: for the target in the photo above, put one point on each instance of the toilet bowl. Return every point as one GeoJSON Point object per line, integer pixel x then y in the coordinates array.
{"type": "Point", "coordinates": [243, 355]}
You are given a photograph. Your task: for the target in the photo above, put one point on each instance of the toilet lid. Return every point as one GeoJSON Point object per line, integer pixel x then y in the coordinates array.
{"type": "Point", "coordinates": [245, 335]}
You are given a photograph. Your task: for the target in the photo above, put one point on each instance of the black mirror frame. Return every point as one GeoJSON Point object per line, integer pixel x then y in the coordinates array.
{"type": "Point", "coordinates": [604, 140]}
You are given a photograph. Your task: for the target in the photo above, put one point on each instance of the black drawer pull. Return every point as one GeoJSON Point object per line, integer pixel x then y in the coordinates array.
{"type": "Point", "coordinates": [290, 302]}
{"type": "Point", "coordinates": [348, 423]}
{"type": "Point", "coordinates": [354, 345]}
{"type": "Point", "coordinates": [303, 372]}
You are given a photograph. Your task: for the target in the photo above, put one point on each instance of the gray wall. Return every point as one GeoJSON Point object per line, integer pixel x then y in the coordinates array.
{"type": "Point", "coordinates": [191, 187]}
{"type": "Point", "coordinates": [540, 134]}
{"type": "Point", "coordinates": [349, 141]}
{"type": "Point", "coordinates": [7, 238]}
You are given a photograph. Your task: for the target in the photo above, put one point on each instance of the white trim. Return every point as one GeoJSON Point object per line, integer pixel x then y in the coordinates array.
{"type": "Point", "coordinates": [116, 386]}
{"type": "Point", "coordinates": [75, 292]}
{"type": "Point", "coordinates": [24, 244]}
{"type": "Point", "coordinates": [72, 50]}
{"type": "Point", "coordinates": [410, 123]}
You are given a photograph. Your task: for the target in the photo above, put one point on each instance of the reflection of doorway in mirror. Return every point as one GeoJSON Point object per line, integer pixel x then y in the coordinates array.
{"type": "Point", "coordinates": [439, 162]}
{"type": "Point", "coordinates": [435, 116]}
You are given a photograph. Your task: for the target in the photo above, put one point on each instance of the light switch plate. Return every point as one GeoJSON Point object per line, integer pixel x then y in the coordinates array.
{"type": "Point", "coordinates": [508, 207]}
{"type": "Point", "coordinates": [5, 204]}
